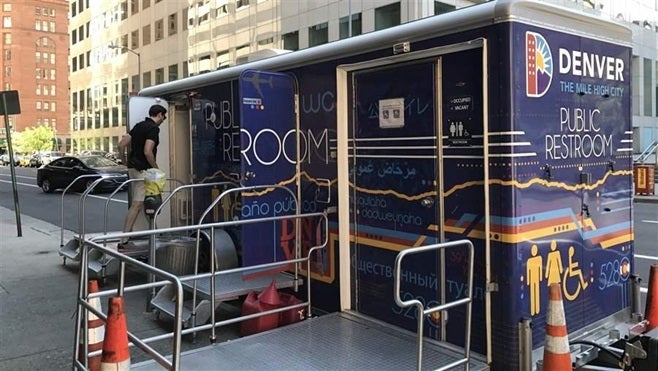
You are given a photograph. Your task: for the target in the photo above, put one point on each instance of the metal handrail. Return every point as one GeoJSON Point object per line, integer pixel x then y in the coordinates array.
{"type": "Point", "coordinates": [84, 308]}
{"type": "Point", "coordinates": [212, 243]}
{"type": "Point", "coordinates": [647, 152]}
{"type": "Point", "coordinates": [81, 202]}
{"type": "Point", "coordinates": [420, 307]}
{"type": "Point", "coordinates": [187, 186]}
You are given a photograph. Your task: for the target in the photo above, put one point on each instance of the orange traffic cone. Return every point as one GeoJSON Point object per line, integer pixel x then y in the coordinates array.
{"type": "Point", "coordinates": [651, 312]}
{"type": "Point", "coordinates": [116, 355]}
{"type": "Point", "coordinates": [557, 356]}
{"type": "Point", "coordinates": [95, 333]}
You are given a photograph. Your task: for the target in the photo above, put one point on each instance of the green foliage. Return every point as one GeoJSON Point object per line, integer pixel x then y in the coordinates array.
{"type": "Point", "coordinates": [33, 139]}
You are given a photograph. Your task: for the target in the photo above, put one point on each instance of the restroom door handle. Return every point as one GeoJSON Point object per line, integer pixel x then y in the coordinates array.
{"type": "Point", "coordinates": [427, 202]}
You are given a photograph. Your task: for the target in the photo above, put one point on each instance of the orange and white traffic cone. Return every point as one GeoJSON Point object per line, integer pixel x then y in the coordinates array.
{"type": "Point", "coordinates": [557, 356]}
{"type": "Point", "coordinates": [95, 331]}
{"type": "Point", "coordinates": [116, 355]}
{"type": "Point", "coordinates": [651, 312]}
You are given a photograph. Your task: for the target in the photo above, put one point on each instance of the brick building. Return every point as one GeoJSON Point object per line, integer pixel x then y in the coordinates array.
{"type": "Point", "coordinates": [35, 48]}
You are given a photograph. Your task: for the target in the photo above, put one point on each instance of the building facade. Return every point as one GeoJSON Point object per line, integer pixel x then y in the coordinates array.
{"type": "Point", "coordinates": [35, 45]}
{"type": "Point", "coordinates": [118, 47]}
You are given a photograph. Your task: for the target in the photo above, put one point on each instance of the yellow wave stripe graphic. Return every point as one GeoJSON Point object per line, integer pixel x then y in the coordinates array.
{"type": "Point", "coordinates": [539, 181]}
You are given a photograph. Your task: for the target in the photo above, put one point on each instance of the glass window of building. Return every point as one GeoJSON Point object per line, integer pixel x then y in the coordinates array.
{"type": "Point", "coordinates": [146, 79]}
{"type": "Point", "coordinates": [7, 7]}
{"type": "Point", "coordinates": [221, 9]}
{"type": "Point", "coordinates": [115, 116]}
{"type": "Point", "coordinates": [159, 76]}
{"type": "Point", "coordinates": [146, 34]}
{"type": "Point", "coordinates": [291, 40]}
{"type": "Point", "coordinates": [173, 24]}
{"type": "Point", "coordinates": [648, 87]}
{"type": "Point", "coordinates": [134, 81]}
{"type": "Point", "coordinates": [173, 72]}
{"type": "Point", "coordinates": [387, 16]}
{"type": "Point", "coordinates": [146, 4]}
{"type": "Point", "coordinates": [124, 10]}
{"type": "Point", "coordinates": [241, 3]}
{"type": "Point", "coordinates": [6, 22]}
{"type": "Point", "coordinates": [7, 54]}
{"type": "Point", "coordinates": [134, 40]}
{"type": "Point", "coordinates": [7, 38]}
{"type": "Point", "coordinates": [74, 102]}
{"type": "Point", "coordinates": [159, 30]}
{"type": "Point", "coordinates": [134, 7]}
{"type": "Point", "coordinates": [106, 117]}
{"type": "Point", "coordinates": [344, 26]}
{"type": "Point", "coordinates": [441, 7]}
{"type": "Point", "coordinates": [318, 34]}
{"type": "Point", "coordinates": [184, 17]}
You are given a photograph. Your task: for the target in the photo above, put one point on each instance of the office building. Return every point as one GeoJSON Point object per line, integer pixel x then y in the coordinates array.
{"type": "Point", "coordinates": [118, 47]}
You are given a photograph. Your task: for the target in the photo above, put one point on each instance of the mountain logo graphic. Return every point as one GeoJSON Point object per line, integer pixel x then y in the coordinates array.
{"type": "Point", "coordinates": [538, 65]}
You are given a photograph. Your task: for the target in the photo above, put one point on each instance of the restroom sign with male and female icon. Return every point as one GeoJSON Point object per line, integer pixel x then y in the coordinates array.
{"type": "Point", "coordinates": [553, 268]}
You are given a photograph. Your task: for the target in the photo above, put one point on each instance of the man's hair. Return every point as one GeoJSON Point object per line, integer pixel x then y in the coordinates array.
{"type": "Point", "coordinates": [156, 109]}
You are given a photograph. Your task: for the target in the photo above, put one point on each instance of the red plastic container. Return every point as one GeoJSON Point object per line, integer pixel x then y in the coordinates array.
{"type": "Point", "coordinates": [267, 300]}
{"type": "Point", "coordinates": [291, 315]}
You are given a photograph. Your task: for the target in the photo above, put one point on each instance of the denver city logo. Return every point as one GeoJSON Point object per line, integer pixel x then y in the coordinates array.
{"type": "Point", "coordinates": [538, 65]}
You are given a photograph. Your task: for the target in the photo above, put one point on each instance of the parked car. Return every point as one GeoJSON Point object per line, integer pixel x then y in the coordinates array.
{"type": "Point", "coordinates": [43, 158]}
{"type": "Point", "coordinates": [25, 161]}
{"type": "Point", "coordinates": [88, 152]}
{"type": "Point", "coordinates": [64, 170]}
{"type": "Point", "coordinates": [114, 156]}
{"type": "Point", "coordinates": [4, 159]}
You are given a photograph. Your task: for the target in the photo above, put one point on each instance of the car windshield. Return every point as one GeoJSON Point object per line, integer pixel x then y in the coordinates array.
{"type": "Point", "coordinates": [97, 161]}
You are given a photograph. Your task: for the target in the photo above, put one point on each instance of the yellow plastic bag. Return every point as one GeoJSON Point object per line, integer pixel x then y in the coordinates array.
{"type": "Point", "coordinates": [154, 181]}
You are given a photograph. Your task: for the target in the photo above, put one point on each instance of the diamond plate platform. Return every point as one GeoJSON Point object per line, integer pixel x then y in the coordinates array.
{"type": "Point", "coordinates": [337, 341]}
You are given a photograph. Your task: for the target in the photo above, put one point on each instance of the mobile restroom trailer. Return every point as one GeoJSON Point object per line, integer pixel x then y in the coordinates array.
{"type": "Point", "coordinates": [507, 123]}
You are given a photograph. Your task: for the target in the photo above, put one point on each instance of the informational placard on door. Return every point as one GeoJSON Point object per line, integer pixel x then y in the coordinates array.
{"type": "Point", "coordinates": [391, 113]}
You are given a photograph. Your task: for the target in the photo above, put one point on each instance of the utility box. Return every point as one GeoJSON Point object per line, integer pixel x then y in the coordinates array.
{"type": "Point", "coordinates": [643, 176]}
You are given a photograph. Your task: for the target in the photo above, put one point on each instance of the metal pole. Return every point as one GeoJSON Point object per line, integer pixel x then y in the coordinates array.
{"type": "Point", "coordinates": [12, 169]}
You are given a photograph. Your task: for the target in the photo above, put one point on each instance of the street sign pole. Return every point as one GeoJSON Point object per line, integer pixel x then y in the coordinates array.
{"type": "Point", "coordinates": [6, 109]}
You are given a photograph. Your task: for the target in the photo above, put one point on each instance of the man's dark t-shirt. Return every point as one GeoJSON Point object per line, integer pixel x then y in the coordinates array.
{"type": "Point", "coordinates": [144, 130]}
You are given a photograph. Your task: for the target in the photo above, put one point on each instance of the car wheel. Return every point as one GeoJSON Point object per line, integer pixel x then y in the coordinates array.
{"type": "Point", "coordinates": [46, 187]}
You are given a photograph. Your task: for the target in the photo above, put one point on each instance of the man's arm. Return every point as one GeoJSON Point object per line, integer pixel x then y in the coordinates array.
{"type": "Point", "coordinates": [149, 145]}
{"type": "Point", "coordinates": [123, 145]}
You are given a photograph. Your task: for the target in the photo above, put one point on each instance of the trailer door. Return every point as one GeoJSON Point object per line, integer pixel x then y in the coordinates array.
{"type": "Point", "coordinates": [269, 149]}
{"type": "Point", "coordinates": [416, 175]}
{"type": "Point", "coordinates": [395, 180]}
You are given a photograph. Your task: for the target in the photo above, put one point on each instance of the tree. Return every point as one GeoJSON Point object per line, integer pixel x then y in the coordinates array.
{"type": "Point", "coordinates": [33, 139]}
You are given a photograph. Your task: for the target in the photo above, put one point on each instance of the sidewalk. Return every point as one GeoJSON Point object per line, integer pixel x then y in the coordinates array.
{"type": "Point", "coordinates": [648, 198]}
{"type": "Point", "coordinates": [37, 296]}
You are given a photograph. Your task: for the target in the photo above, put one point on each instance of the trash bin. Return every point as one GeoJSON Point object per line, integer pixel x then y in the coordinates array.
{"type": "Point", "coordinates": [643, 177]}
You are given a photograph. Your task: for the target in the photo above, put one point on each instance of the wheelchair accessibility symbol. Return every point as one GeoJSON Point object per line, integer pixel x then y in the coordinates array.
{"type": "Point", "coordinates": [573, 273]}
{"type": "Point", "coordinates": [570, 276]}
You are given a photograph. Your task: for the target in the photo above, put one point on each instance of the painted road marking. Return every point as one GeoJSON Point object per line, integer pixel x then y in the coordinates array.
{"type": "Point", "coordinates": [35, 186]}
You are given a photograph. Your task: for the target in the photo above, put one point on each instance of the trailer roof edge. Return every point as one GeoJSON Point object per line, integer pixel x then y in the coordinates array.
{"type": "Point", "coordinates": [472, 17]}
